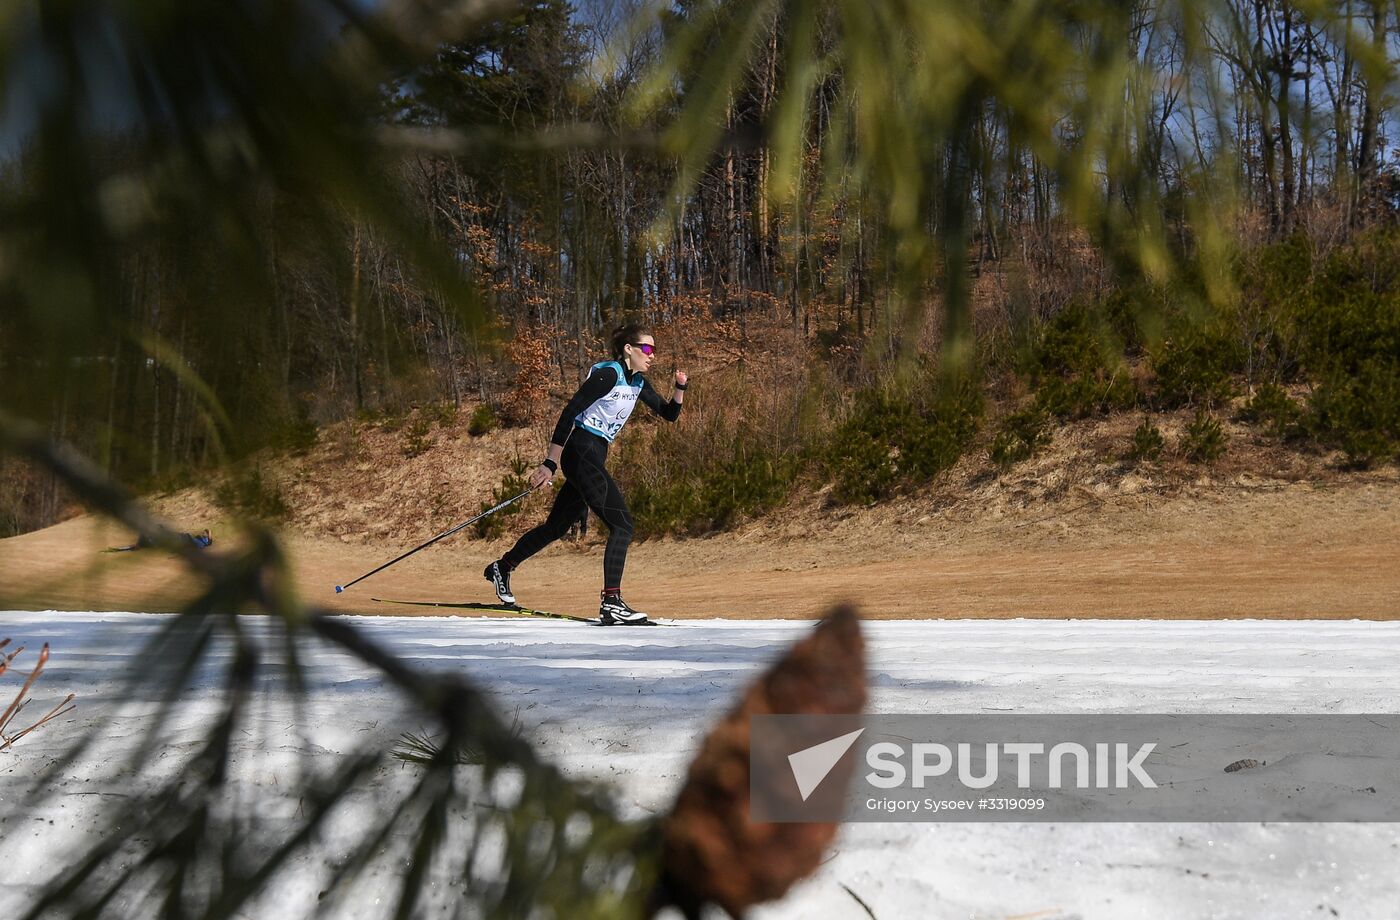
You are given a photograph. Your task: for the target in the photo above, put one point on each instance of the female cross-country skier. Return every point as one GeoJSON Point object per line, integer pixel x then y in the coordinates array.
{"type": "Point", "coordinates": [579, 445]}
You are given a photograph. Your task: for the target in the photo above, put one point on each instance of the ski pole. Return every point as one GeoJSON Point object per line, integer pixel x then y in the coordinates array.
{"type": "Point", "coordinates": [442, 536]}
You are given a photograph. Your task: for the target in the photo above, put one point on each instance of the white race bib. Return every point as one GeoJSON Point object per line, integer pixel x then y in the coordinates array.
{"type": "Point", "coordinates": [606, 417]}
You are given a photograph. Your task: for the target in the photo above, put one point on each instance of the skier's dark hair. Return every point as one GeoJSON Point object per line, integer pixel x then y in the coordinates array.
{"type": "Point", "coordinates": [627, 335]}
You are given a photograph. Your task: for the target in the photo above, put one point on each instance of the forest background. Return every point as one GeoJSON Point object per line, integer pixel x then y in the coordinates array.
{"type": "Point", "coordinates": [1185, 213]}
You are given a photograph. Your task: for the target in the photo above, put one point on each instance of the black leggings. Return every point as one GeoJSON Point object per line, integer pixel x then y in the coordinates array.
{"type": "Point", "coordinates": [586, 484]}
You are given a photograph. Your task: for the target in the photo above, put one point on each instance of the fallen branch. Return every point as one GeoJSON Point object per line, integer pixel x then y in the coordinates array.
{"type": "Point", "coordinates": [21, 698]}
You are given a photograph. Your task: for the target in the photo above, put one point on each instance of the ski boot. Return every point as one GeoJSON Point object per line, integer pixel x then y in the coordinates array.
{"type": "Point", "coordinates": [499, 576]}
{"type": "Point", "coordinates": [614, 612]}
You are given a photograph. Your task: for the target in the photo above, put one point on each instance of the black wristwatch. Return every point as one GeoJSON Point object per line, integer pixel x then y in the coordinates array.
{"type": "Point", "coordinates": [680, 386]}
{"type": "Point", "coordinates": [550, 464]}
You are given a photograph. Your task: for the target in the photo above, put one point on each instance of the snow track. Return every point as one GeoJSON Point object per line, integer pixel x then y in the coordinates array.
{"type": "Point", "coordinates": [630, 706]}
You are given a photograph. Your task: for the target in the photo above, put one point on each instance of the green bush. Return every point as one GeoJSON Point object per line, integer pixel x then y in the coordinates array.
{"type": "Point", "coordinates": [246, 491]}
{"type": "Point", "coordinates": [749, 481]}
{"type": "Point", "coordinates": [1368, 263]}
{"type": "Point", "coordinates": [949, 417]}
{"type": "Point", "coordinates": [1084, 395]}
{"type": "Point", "coordinates": [658, 508]}
{"type": "Point", "coordinates": [1076, 367]}
{"type": "Point", "coordinates": [862, 457]}
{"type": "Point", "coordinates": [1205, 438]}
{"type": "Point", "coordinates": [296, 434]}
{"type": "Point", "coordinates": [383, 418]}
{"type": "Point", "coordinates": [1148, 443]}
{"type": "Point", "coordinates": [439, 414]}
{"type": "Point", "coordinates": [1135, 312]}
{"type": "Point", "coordinates": [1021, 436]}
{"type": "Point", "coordinates": [753, 480]}
{"type": "Point", "coordinates": [1359, 412]}
{"type": "Point", "coordinates": [900, 434]}
{"type": "Point", "coordinates": [1275, 274]}
{"type": "Point", "coordinates": [483, 420]}
{"type": "Point", "coordinates": [1272, 281]}
{"type": "Point", "coordinates": [512, 484]}
{"type": "Point", "coordinates": [415, 438]}
{"type": "Point", "coordinates": [735, 452]}
{"type": "Point", "coordinates": [1196, 364]}
{"type": "Point", "coordinates": [1272, 407]}
{"type": "Point", "coordinates": [1349, 331]}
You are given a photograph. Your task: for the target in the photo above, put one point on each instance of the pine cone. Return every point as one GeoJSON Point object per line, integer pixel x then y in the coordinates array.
{"type": "Point", "coordinates": [711, 851]}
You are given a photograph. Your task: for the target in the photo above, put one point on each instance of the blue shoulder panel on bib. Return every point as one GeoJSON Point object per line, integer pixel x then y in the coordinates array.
{"type": "Point", "coordinates": [622, 380]}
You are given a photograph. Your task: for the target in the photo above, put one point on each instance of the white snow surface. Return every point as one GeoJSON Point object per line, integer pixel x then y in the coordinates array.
{"type": "Point", "coordinates": [631, 706]}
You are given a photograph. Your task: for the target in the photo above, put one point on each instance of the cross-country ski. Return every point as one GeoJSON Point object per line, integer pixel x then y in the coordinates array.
{"type": "Point", "coordinates": [486, 609]}
{"type": "Point", "coordinates": [510, 609]}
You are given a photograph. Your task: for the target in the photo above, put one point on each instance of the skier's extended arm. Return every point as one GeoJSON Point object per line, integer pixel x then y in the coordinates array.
{"type": "Point", "coordinates": [670, 411]}
{"type": "Point", "coordinates": [593, 389]}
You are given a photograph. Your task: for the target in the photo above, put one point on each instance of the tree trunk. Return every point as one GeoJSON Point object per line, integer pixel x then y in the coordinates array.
{"type": "Point", "coordinates": [1367, 155]}
{"type": "Point", "coordinates": [355, 319]}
